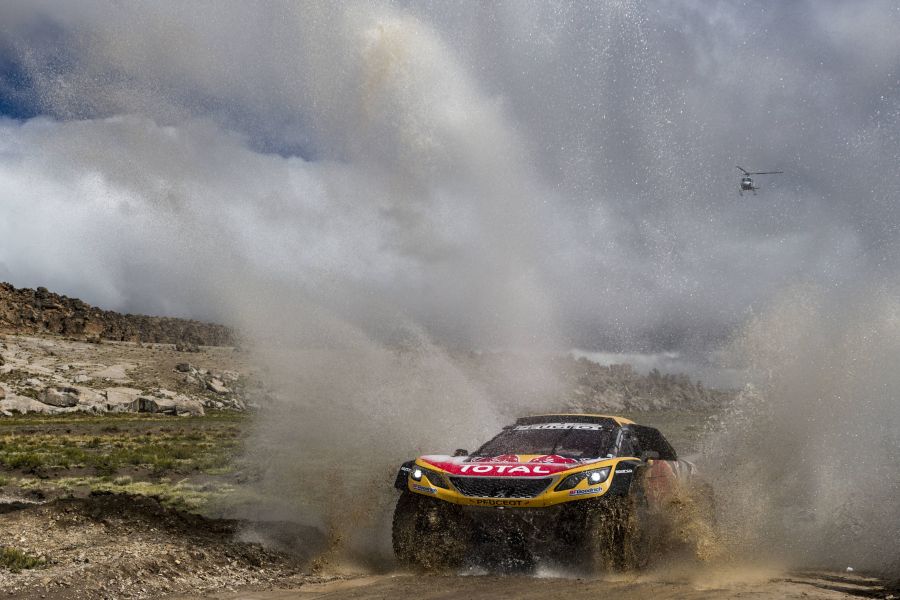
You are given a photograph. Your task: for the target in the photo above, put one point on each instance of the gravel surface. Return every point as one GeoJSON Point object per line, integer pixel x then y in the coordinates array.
{"type": "Point", "coordinates": [118, 546]}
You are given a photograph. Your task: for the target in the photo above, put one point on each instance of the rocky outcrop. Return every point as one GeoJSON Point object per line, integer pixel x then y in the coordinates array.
{"type": "Point", "coordinates": [580, 385]}
{"type": "Point", "coordinates": [593, 387]}
{"type": "Point", "coordinates": [23, 405]}
{"type": "Point", "coordinates": [61, 399]}
{"type": "Point", "coordinates": [41, 311]}
{"type": "Point", "coordinates": [122, 399]}
{"type": "Point", "coordinates": [51, 375]}
{"type": "Point", "coordinates": [178, 404]}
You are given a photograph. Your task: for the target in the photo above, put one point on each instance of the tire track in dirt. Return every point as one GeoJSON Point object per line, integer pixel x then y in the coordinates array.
{"type": "Point", "coordinates": [731, 582]}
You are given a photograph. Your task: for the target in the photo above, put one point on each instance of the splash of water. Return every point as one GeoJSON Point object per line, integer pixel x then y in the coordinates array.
{"type": "Point", "coordinates": [353, 400]}
{"type": "Point", "coordinates": [804, 459]}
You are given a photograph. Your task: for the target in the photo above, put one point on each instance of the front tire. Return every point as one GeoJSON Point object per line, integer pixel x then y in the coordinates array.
{"type": "Point", "coordinates": [428, 533]}
{"type": "Point", "coordinates": [615, 536]}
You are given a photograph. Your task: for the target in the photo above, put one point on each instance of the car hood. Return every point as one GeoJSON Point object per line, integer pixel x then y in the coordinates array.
{"type": "Point", "coordinates": [507, 465]}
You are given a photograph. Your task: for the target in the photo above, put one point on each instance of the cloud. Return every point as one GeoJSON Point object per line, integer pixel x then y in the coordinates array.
{"type": "Point", "coordinates": [425, 209]}
{"type": "Point", "coordinates": [494, 172]}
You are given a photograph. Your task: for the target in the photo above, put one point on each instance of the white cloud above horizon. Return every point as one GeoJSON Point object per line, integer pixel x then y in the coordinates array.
{"type": "Point", "coordinates": [489, 172]}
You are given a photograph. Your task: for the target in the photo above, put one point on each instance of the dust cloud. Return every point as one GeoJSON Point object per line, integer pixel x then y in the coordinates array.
{"type": "Point", "coordinates": [804, 460]}
{"type": "Point", "coordinates": [346, 409]}
{"type": "Point", "coordinates": [358, 383]}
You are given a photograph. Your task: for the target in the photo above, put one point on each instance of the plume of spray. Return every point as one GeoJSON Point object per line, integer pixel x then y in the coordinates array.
{"type": "Point", "coordinates": [353, 399]}
{"type": "Point", "coordinates": [338, 271]}
{"type": "Point", "coordinates": [804, 460]}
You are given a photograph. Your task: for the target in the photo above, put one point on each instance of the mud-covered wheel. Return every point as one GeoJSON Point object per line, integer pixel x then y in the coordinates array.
{"type": "Point", "coordinates": [615, 536]}
{"type": "Point", "coordinates": [428, 533]}
{"type": "Point", "coordinates": [638, 531]}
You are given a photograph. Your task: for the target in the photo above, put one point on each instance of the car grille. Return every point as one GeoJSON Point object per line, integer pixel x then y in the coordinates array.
{"type": "Point", "coordinates": [500, 487]}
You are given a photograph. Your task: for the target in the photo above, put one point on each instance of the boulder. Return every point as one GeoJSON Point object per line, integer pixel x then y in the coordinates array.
{"type": "Point", "coordinates": [148, 404]}
{"type": "Point", "coordinates": [59, 396]}
{"type": "Point", "coordinates": [98, 408]}
{"type": "Point", "coordinates": [185, 405]}
{"type": "Point", "coordinates": [176, 405]}
{"type": "Point", "coordinates": [24, 405]}
{"type": "Point", "coordinates": [216, 385]}
{"type": "Point", "coordinates": [2, 392]}
{"type": "Point", "coordinates": [184, 367]}
{"type": "Point", "coordinates": [91, 398]}
{"type": "Point", "coordinates": [122, 399]}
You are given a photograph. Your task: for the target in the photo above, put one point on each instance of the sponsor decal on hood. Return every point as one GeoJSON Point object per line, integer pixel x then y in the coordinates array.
{"type": "Point", "coordinates": [512, 465]}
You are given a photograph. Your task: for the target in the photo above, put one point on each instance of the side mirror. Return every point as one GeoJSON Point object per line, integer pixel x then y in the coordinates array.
{"type": "Point", "coordinates": [649, 455]}
{"type": "Point", "coordinates": [460, 452]}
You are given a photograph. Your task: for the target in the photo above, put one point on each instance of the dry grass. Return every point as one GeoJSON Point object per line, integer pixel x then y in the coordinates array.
{"type": "Point", "coordinates": [186, 462]}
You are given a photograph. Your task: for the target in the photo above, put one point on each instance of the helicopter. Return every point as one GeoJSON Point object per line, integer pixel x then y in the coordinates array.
{"type": "Point", "coordinates": [747, 181]}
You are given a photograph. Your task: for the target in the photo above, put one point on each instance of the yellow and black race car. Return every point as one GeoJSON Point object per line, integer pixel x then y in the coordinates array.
{"type": "Point", "coordinates": [572, 488]}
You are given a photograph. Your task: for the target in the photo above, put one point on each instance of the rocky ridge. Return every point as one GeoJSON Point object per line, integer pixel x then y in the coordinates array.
{"type": "Point", "coordinates": [41, 311]}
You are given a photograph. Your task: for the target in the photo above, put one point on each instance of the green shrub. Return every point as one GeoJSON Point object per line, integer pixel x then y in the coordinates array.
{"type": "Point", "coordinates": [106, 465]}
{"type": "Point", "coordinates": [15, 560]}
{"type": "Point", "coordinates": [27, 461]}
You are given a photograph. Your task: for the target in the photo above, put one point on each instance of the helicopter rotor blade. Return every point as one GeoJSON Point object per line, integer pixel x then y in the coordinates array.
{"type": "Point", "coordinates": [746, 172]}
{"type": "Point", "coordinates": [766, 173]}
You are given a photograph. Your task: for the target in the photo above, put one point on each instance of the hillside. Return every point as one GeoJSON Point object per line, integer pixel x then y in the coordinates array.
{"type": "Point", "coordinates": [591, 386]}
{"type": "Point", "coordinates": [23, 310]}
{"type": "Point", "coordinates": [37, 369]}
{"type": "Point", "coordinates": [579, 385]}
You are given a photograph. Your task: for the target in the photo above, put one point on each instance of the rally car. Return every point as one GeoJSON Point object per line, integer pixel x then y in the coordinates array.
{"type": "Point", "coordinates": [575, 488]}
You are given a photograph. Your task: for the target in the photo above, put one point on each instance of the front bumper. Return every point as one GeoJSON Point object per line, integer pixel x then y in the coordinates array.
{"type": "Point", "coordinates": [463, 490]}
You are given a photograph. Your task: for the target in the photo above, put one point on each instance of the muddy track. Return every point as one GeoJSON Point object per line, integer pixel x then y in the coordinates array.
{"type": "Point", "coordinates": [117, 546]}
{"type": "Point", "coordinates": [760, 584]}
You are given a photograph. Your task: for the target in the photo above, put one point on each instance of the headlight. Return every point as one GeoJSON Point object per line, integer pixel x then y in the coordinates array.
{"type": "Point", "coordinates": [593, 478]}
{"type": "Point", "coordinates": [433, 477]}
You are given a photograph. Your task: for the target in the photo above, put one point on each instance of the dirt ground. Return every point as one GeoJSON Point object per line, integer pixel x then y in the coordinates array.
{"type": "Point", "coordinates": [757, 583]}
{"type": "Point", "coordinates": [111, 546]}
{"type": "Point", "coordinates": [112, 506]}
{"type": "Point", "coordinates": [123, 546]}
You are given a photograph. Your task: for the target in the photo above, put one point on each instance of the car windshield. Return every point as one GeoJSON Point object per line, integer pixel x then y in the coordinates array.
{"type": "Point", "coordinates": [571, 440]}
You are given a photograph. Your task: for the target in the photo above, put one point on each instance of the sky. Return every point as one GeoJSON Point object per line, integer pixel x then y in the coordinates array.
{"type": "Point", "coordinates": [498, 174]}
